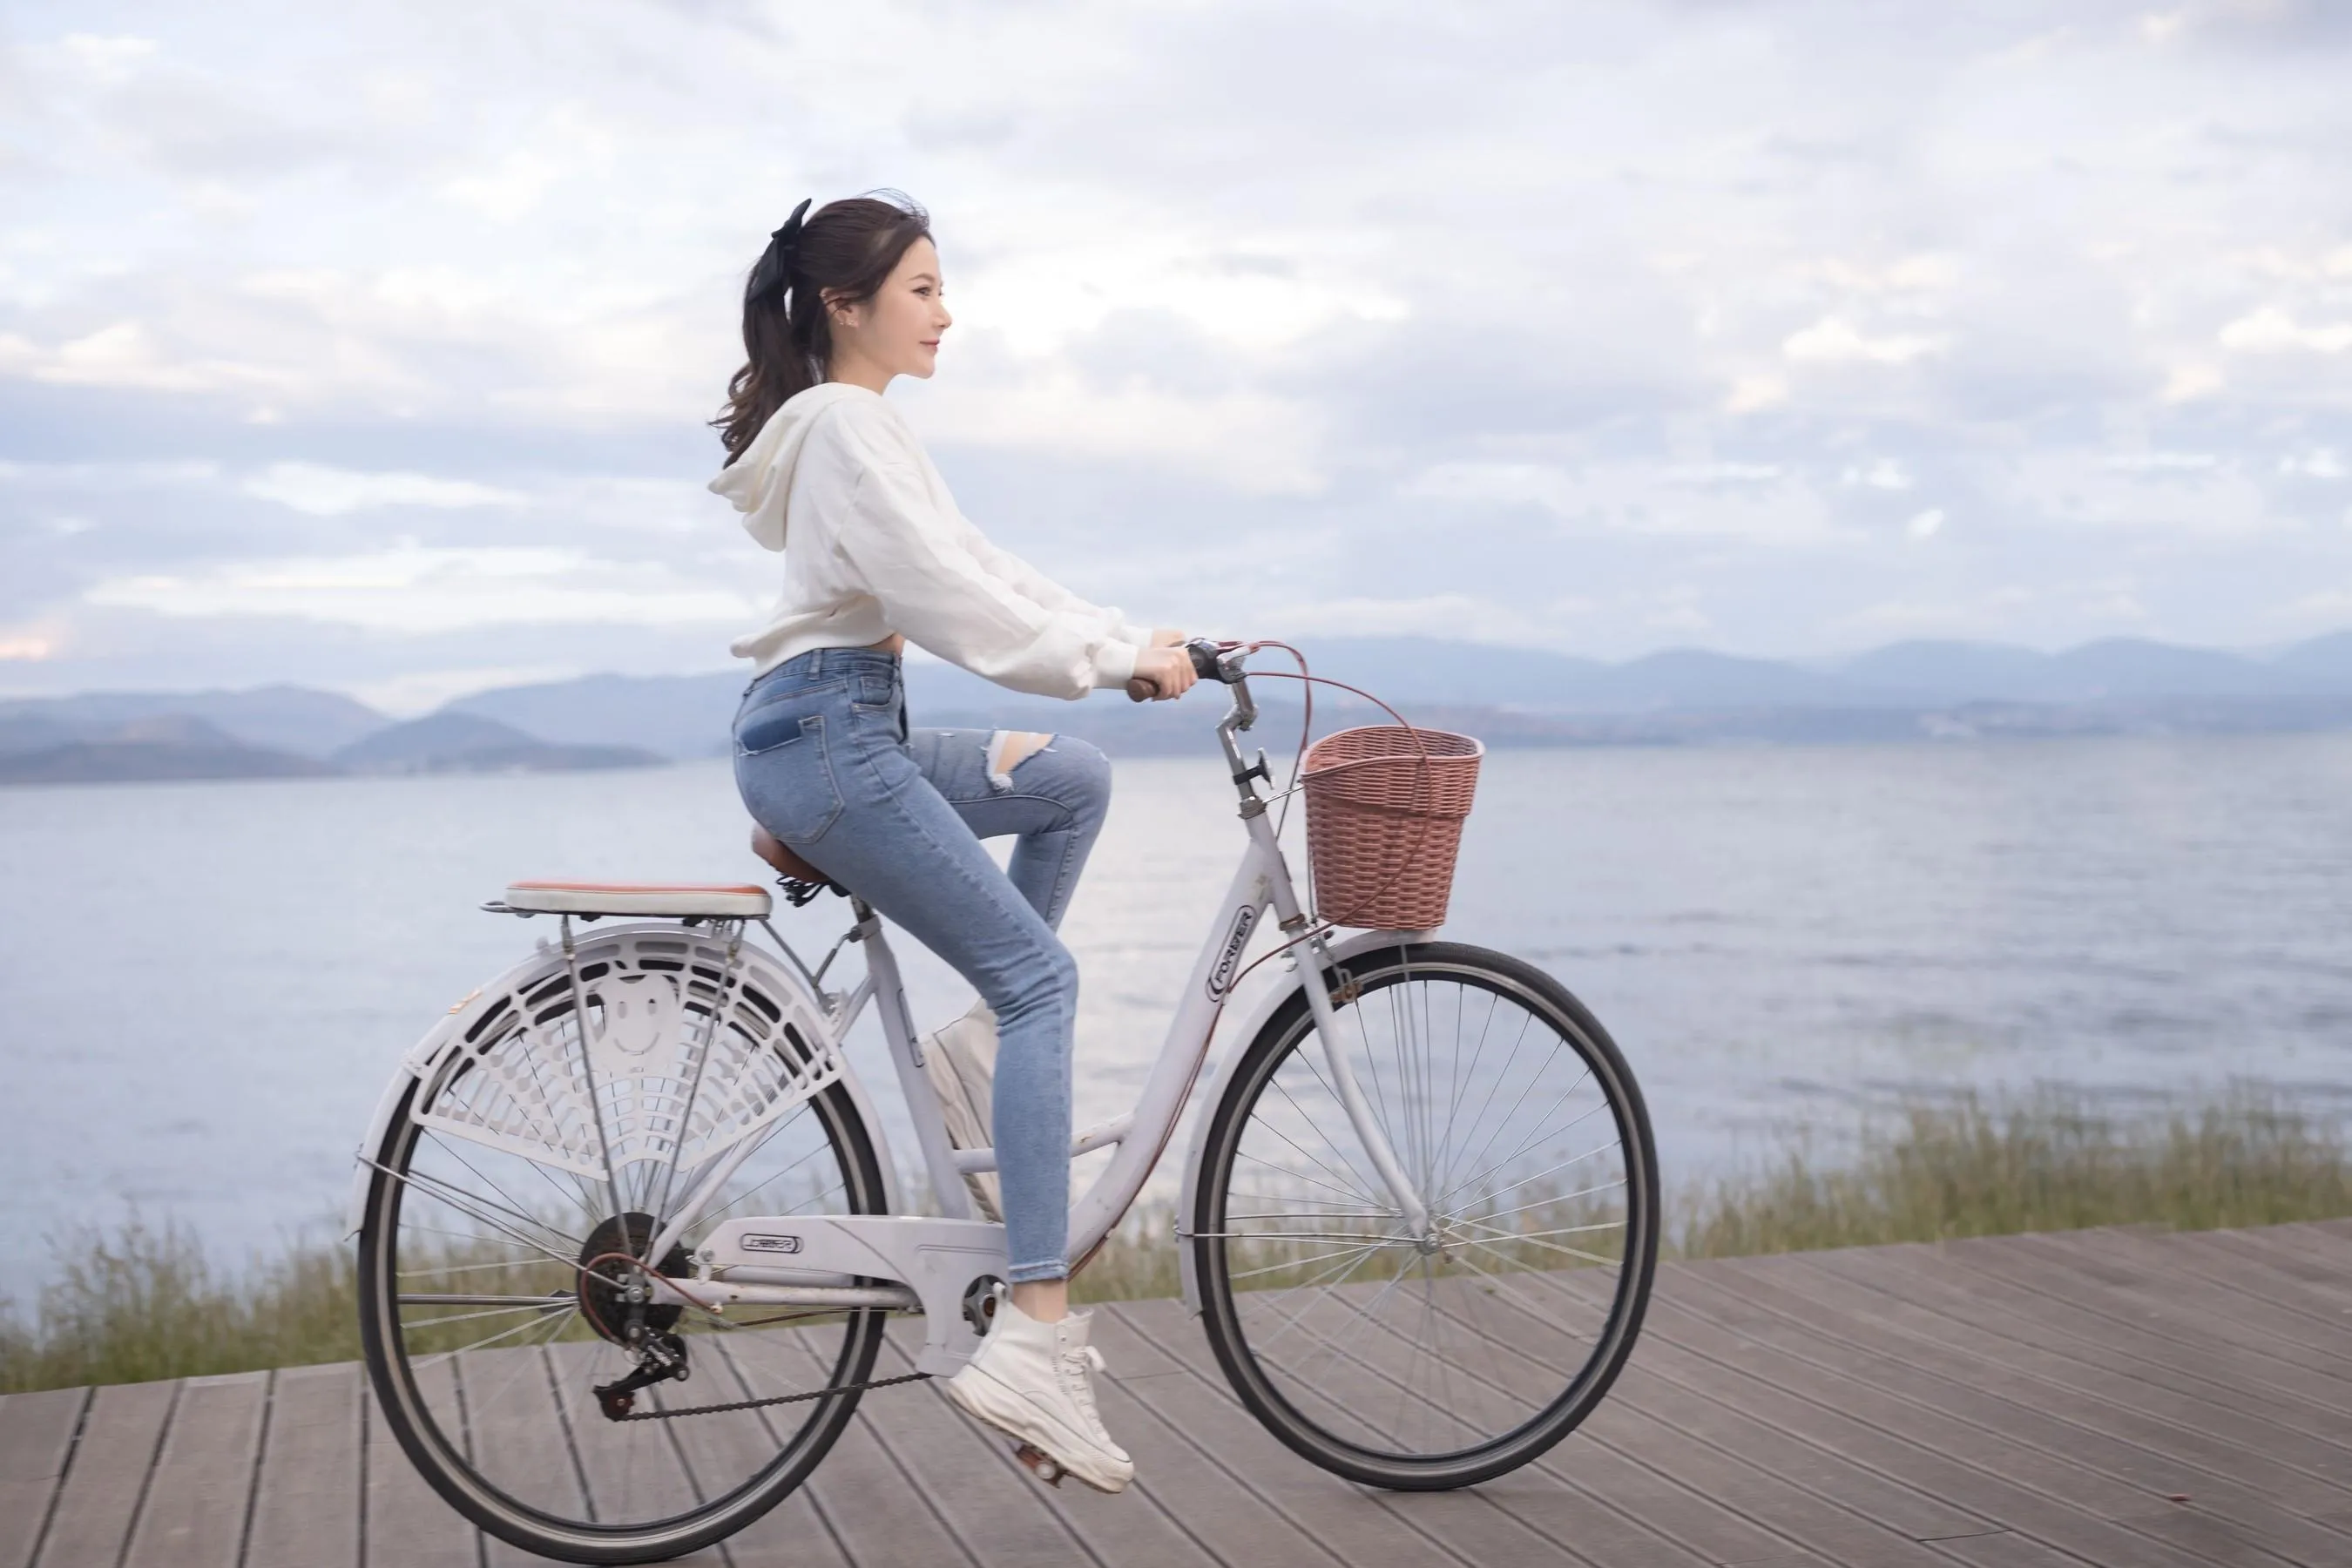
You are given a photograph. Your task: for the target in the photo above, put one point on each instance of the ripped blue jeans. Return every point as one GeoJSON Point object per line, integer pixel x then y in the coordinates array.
{"type": "Point", "coordinates": [825, 762]}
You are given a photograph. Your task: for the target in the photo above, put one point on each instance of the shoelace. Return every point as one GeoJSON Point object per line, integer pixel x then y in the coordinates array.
{"type": "Point", "coordinates": [1075, 1366]}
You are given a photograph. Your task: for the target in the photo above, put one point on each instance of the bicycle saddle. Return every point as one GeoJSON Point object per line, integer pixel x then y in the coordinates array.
{"type": "Point", "coordinates": [788, 864]}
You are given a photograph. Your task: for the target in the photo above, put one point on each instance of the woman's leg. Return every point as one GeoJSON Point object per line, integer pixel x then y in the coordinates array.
{"type": "Point", "coordinates": [1052, 791]}
{"type": "Point", "coordinates": [898, 843]}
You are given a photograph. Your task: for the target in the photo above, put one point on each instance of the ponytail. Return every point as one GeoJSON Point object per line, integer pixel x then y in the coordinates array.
{"type": "Point", "coordinates": [841, 256]}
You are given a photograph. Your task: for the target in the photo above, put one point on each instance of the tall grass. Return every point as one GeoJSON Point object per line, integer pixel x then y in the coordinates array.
{"type": "Point", "coordinates": [2042, 1161]}
{"type": "Point", "coordinates": [140, 1301]}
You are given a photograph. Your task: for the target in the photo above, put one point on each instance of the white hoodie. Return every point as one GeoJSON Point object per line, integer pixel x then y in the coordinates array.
{"type": "Point", "coordinates": [878, 546]}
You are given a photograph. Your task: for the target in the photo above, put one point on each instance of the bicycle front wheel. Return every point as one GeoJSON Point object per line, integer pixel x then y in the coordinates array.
{"type": "Point", "coordinates": [1443, 1359]}
{"type": "Point", "coordinates": [498, 1303]}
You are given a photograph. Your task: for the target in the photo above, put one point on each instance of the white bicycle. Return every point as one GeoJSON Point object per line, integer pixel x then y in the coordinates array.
{"type": "Point", "coordinates": [630, 1233]}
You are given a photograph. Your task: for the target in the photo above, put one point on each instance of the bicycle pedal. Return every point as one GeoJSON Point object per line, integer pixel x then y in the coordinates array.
{"type": "Point", "coordinates": [1041, 1464]}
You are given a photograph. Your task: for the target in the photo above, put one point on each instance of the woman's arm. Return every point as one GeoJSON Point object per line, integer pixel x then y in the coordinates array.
{"type": "Point", "coordinates": [1042, 591]}
{"type": "Point", "coordinates": [920, 563]}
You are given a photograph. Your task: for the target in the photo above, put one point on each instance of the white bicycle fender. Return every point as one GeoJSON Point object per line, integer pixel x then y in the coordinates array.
{"type": "Point", "coordinates": [426, 1057]}
{"type": "Point", "coordinates": [1246, 1031]}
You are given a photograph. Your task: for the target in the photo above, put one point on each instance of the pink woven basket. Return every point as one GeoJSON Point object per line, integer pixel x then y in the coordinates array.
{"type": "Point", "coordinates": [1384, 810]}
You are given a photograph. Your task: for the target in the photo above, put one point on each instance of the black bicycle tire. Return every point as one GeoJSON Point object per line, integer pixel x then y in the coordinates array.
{"type": "Point", "coordinates": [1284, 1028]}
{"type": "Point", "coordinates": [573, 1540]}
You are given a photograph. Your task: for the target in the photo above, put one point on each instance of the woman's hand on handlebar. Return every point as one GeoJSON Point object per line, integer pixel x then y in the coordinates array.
{"type": "Point", "coordinates": [1167, 636]}
{"type": "Point", "coordinates": [1161, 673]}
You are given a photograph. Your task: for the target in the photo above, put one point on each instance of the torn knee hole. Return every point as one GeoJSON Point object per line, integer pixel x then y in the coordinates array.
{"type": "Point", "coordinates": [1008, 749]}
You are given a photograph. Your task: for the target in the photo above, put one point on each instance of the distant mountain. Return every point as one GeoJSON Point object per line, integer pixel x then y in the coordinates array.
{"type": "Point", "coordinates": [283, 718]}
{"type": "Point", "coordinates": [1523, 696]}
{"type": "Point", "coordinates": [449, 743]}
{"type": "Point", "coordinates": [160, 747]}
{"type": "Point", "coordinates": [2327, 660]}
{"type": "Point", "coordinates": [677, 715]}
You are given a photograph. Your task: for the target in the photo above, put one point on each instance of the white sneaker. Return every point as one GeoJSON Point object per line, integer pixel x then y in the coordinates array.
{"type": "Point", "coordinates": [961, 1061]}
{"type": "Point", "coordinates": [1032, 1382]}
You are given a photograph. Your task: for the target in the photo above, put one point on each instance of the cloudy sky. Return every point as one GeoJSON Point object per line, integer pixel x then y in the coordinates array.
{"type": "Point", "coordinates": [368, 346]}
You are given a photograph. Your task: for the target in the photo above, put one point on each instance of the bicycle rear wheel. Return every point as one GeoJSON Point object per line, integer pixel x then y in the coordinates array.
{"type": "Point", "coordinates": [492, 1308]}
{"type": "Point", "coordinates": [1427, 1362]}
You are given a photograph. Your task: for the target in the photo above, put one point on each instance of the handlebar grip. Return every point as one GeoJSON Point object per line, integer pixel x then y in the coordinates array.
{"type": "Point", "coordinates": [1141, 691]}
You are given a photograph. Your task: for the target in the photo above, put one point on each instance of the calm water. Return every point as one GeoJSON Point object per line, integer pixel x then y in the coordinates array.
{"type": "Point", "coordinates": [204, 987]}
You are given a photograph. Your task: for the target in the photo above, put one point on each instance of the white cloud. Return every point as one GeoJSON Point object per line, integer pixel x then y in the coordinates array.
{"type": "Point", "coordinates": [1834, 341]}
{"type": "Point", "coordinates": [330, 492]}
{"type": "Point", "coordinates": [2321, 463]}
{"type": "Point", "coordinates": [1659, 294]}
{"type": "Point", "coordinates": [1761, 503]}
{"type": "Point", "coordinates": [1460, 617]}
{"type": "Point", "coordinates": [1881, 474]}
{"type": "Point", "coordinates": [1926, 524]}
{"type": "Point", "coordinates": [106, 60]}
{"type": "Point", "coordinates": [1251, 441]}
{"type": "Point", "coordinates": [415, 588]}
{"type": "Point", "coordinates": [2271, 330]}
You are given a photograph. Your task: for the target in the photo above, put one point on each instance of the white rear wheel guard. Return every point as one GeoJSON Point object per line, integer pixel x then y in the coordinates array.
{"type": "Point", "coordinates": [673, 1047]}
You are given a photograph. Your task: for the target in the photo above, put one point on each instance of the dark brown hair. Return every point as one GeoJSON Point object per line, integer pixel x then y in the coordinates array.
{"type": "Point", "coordinates": [845, 253]}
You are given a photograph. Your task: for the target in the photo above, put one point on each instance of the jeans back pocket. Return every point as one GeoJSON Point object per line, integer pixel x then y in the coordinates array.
{"type": "Point", "coordinates": [783, 770]}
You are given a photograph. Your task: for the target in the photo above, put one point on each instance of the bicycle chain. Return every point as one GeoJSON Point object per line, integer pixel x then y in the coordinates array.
{"type": "Point", "coordinates": [773, 1399]}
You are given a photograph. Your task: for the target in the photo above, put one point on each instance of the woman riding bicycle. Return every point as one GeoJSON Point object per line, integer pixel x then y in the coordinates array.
{"type": "Point", "coordinates": [875, 554]}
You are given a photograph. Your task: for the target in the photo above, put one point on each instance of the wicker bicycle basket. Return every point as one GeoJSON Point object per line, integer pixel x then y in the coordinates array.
{"type": "Point", "coordinates": [1384, 810]}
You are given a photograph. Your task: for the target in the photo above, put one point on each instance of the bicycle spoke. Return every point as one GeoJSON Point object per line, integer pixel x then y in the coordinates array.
{"type": "Point", "coordinates": [1376, 1342]}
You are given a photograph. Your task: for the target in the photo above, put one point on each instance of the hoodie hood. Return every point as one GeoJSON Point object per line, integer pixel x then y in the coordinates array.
{"type": "Point", "coordinates": [760, 480]}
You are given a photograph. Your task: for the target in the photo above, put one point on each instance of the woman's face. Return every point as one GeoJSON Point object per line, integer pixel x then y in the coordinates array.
{"type": "Point", "coordinates": [898, 331]}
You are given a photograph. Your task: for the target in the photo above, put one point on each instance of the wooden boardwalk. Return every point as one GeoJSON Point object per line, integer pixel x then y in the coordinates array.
{"type": "Point", "coordinates": [2106, 1397]}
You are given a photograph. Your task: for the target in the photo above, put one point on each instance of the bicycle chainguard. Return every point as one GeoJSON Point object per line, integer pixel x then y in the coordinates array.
{"type": "Point", "coordinates": [1041, 1465]}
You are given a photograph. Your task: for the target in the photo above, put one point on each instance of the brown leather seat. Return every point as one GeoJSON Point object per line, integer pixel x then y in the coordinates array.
{"type": "Point", "coordinates": [779, 854]}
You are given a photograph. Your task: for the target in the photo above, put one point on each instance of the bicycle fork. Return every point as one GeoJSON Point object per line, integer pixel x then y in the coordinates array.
{"type": "Point", "coordinates": [1312, 970]}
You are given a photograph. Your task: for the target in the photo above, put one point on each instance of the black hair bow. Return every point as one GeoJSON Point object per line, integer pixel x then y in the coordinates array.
{"type": "Point", "coordinates": [774, 270]}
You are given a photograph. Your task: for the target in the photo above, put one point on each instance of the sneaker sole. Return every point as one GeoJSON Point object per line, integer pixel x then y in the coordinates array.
{"type": "Point", "coordinates": [1021, 1420]}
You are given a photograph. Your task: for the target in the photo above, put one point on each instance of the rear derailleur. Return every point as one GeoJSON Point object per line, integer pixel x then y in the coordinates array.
{"type": "Point", "coordinates": [661, 1358]}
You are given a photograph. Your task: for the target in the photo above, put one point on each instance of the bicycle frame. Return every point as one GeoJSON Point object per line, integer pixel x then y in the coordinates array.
{"type": "Point", "coordinates": [936, 1264]}
{"type": "Point", "coordinates": [938, 1260]}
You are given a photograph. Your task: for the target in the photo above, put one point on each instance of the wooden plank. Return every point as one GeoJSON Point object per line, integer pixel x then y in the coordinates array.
{"type": "Point", "coordinates": [406, 1523]}
{"type": "Point", "coordinates": [2179, 1318]}
{"type": "Point", "coordinates": [2174, 1287]}
{"type": "Point", "coordinates": [306, 1506]}
{"type": "Point", "coordinates": [2259, 1455]}
{"type": "Point", "coordinates": [1596, 1517]}
{"type": "Point", "coordinates": [2064, 1429]}
{"type": "Point", "coordinates": [517, 1436]}
{"type": "Point", "coordinates": [2315, 1288]}
{"type": "Point", "coordinates": [983, 1495]}
{"type": "Point", "coordinates": [1910, 1489]}
{"type": "Point", "coordinates": [1982, 1470]}
{"type": "Point", "coordinates": [2003, 1549]}
{"type": "Point", "coordinates": [1136, 1526]}
{"type": "Point", "coordinates": [1237, 1457]}
{"type": "Point", "coordinates": [634, 1474]}
{"type": "Point", "coordinates": [202, 1485]}
{"type": "Point", "coordinates": [1710, 1448]}
{"type": "Point", "coordinates": [36, 1443]}
{"type": "Point", "coordinates": [841, 1495]}
{"type": "Point", "coordinates": [99, 1500]}
{"type": "Point", "coordinates": [2222, 1374]}
{"type": "Point", "coordinates": [718, 1451]}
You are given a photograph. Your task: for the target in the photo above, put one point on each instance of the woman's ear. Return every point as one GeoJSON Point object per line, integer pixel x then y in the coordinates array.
{"type": "Point", "coordinates": [841, 313]}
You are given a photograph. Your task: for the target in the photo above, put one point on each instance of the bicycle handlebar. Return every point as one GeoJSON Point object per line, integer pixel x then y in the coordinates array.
{"type": "Point", "coordinates": [1207, 664]}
